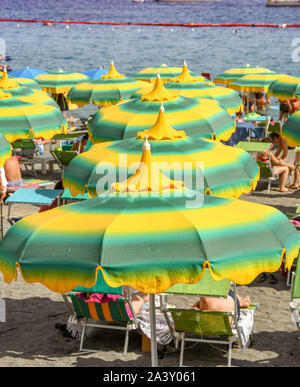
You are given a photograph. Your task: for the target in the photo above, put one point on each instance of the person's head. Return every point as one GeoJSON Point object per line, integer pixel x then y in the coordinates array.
{"type": "Point", "coordinates": [275, 137]}
{"type": "Point", "coordinates": [266, 139]}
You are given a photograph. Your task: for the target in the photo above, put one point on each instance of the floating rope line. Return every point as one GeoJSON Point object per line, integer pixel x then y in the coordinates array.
{"type": "Point", "coordinates": [193, 25]}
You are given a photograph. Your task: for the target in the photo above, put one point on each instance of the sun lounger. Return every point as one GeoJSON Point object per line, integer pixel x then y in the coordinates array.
{"type": "Point", "coordinates": [295, 296]}
{"type": "Point", "coordinates": [266, 169]}
{"type": "Point", "coordinates": [62, 157]}
{"type": "Point", "coordinates": [192, 325]}
{"type": "Point", "coordinates": [110, 315]}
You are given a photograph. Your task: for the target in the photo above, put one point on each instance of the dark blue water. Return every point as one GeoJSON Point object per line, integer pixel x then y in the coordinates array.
{"type": "Point", "coordinates": [133, 48]}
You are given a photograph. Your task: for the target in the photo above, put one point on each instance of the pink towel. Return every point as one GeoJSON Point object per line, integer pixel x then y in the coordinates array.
{"type": "Point", "coordinates": [295, 222]}
{"type": "Point", "coordinates": [102, 298]}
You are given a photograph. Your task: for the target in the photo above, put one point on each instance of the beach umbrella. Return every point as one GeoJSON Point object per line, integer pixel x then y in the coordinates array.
{"type": "Point", "coordinates": [110, 89]}
{"type": "Point", "coordinates": [10, 85]}
{"type": "Point", "coordinates": [30, 83]}
{"type": "Point", "coordinates": [138, 234]}
{"type": "Point", "coordinates": [58, 84]}
{"type": "Point", "coordinates": [291, 130]}
{"type": "Point", "coordinates": [204, 119]}
{"type": "Point", "coordinates": [227, 171]}
{"type": "Point", "coordinates": [5, 150]}
{"type": "Point", "coordinates": [95, 73]}
{"type": "Point", "coordinates": [285, 87]}
{"type": "Point", "coordinates": [255, 82]}
{"type": "Point", "coordinates": [27, 72]}
{"type": "Point", "coordinates": [235, 73]}
{"type": "Point", "coordinates": [19, 119]}
{"type": "Point", "coordinates": [60, 81]}
{"type": "Point", "coordinates": [166, 73]}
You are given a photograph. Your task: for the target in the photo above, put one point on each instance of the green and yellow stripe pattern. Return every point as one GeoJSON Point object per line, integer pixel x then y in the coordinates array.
{"type": "Point", "coordinates": [5, 150]}
{"type": "Point", "coordinates": [205, 119]}
{"type": "Point", "coordinates": [148, 242]}
{"type": "Point", "coordinates": [235, 73]}
{"type": "Point", "coordinates": [19, 119]}
{"type": "Point", "coordinates": [60, 82]}
{"type": "Point", "coordinates": [291, 130]}
{"type": "Point", "coordinates": [255, 82]}
{"type": "Point", "coordinates": [285, 87]}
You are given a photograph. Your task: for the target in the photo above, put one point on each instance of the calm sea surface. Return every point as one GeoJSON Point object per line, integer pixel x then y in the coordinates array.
{"type": "Point", "coordinates": [81, 47]}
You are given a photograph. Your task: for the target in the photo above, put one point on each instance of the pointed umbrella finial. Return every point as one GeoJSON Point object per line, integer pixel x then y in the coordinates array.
{"type": "Point", "coordinates": [112, 72]}
{"type": "Point", "coordinates": [146, 178]}
{"type": "Point", "coordinates": [159, 92]}
{"type": "Point", "coordinates": [161, 130]}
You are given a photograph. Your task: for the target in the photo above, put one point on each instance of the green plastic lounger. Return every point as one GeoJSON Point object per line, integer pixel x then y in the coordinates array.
{"type": "Point", "coordinates": [109, 315]}
{"type": "Point", "coordinates": [192, 325]}
{"type": "Point", "coordinates": [63, 157]}
{"type": "Point", "coordinates": [295, 295]}
{"type": "Point", "coordinates": [266, 170]}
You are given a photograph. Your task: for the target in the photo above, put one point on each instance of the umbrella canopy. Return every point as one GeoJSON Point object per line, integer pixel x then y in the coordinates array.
{"type": "Point", "coordinates": [204, 119]}
{"type": "Point", "coordinates": [11, 86]}
{"type": "Point", "coordinates": [110, 89]}
{"type": "Point", "coordinates": [60, 82]}
{"type": "Point", "coordinates": [285, 87]}
{"type": "Point", "coordinates": [255, 82]}
{"type": "Point", "coordinates": [19, 119]}
{"type": "Point", "coordinates": [227, 171]}
{"type": "Point", "coordinates": [27, 72]}
{"type": "Point", "coordinates": [291, 130]}
{"type": "Point", "coordinates": [30, 83]}
{"type": "Point", "coordinates": [166, 73]}
{"type": "Point", "coordinates": [5, 150]}
{"type": "Point", "coordinates": [148, 240]}
{"type": "Point", "coordinates": [95, 73]}
{"type": "Point", "coordinates": [235, 73]}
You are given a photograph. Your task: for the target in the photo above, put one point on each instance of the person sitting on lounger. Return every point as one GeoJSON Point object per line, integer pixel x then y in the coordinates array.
{"type": "Point", "coordinates": [279, 166]}
{"type": "Point", "coordinates": [13, 172]}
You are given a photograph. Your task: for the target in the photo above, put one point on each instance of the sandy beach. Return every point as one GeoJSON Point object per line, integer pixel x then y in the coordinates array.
{"type": "Point", "coordinates": [29, 337]}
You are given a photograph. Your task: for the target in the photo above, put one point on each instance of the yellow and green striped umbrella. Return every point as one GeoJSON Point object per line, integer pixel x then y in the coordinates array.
{"type": "Point", "coordinates": [5, 150]}
{"type": "Point", "coordinates": [255, 82]}
{"type": "Point", "coordinates": [30, 83]}
{"type": "Point", "coordinates": [60, 82]}
{"type": "Point", "coordinates": [166, 73]}
{"type": "Point", "coordinates": [285, 87]}
{"type": "Point", "coordinates": [148, 236]}
{"type": "Point", "coordinates": [110, 89]}
{"type": "Point", "coordinates": [19, 119]}
{"type": "Point", "coordinates": [205, 119]}
{"type": "Point", "coordinates": [11, 86]}
{"type": "Point", "coordinates": [236, 73]}
{"type": "Point", "coordinates": [227, 171]}
{"type": "Point", "coordinates": [291, 130]}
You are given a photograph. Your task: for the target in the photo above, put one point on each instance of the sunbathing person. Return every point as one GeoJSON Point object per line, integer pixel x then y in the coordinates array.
{"type": "Point", "coordinates": [137, 299]}
{"type": "Point", "coordinates": [13, 172]}
{"type": "Point", "coordinates": [220, 304]}
{"type": "Point", "coordinates": [279, 166]}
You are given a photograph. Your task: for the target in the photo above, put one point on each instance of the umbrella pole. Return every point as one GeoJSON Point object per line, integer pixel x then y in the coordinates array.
{"type": "Point", "coordinates": [154, 360]}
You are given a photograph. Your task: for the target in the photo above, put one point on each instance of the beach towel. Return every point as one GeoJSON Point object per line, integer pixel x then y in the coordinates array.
{"type": "Point", "coordinates": [245, 324]}
{"type": "Point", "coordinates": [163, 334]}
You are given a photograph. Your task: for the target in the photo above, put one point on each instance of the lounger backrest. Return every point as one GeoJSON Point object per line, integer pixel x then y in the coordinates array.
{"type": "Point", "coordinates": [108, 311]}
{"type": "Point", "coordinates": [202, 322]}
{"type": "Point", "coordinates": [296, 282]}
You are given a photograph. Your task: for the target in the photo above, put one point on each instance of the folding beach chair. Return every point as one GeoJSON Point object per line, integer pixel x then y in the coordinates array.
{"type": "Point", "coordinates": [295, 295]}
{"type": "Point", "coordinates": [63, 157]}
{"type": "Point", "coordinates": [266, 169]}
{"type": "Point", "coordinates": [109, 315]}
{"type": "Point", "coordinates": [192, 325]}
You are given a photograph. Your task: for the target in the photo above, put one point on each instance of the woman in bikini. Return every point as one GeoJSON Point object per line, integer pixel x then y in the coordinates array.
{"type": "Point", "coordinates": [279, 166]}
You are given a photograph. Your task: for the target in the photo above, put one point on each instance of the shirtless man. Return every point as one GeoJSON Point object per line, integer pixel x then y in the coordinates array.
{"type": "Point", "coordinates": [282, 149]}
{"type": "Point", "coordinates": [13, 172]}
{"type": "Point", "coordinates": [223, 304]}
